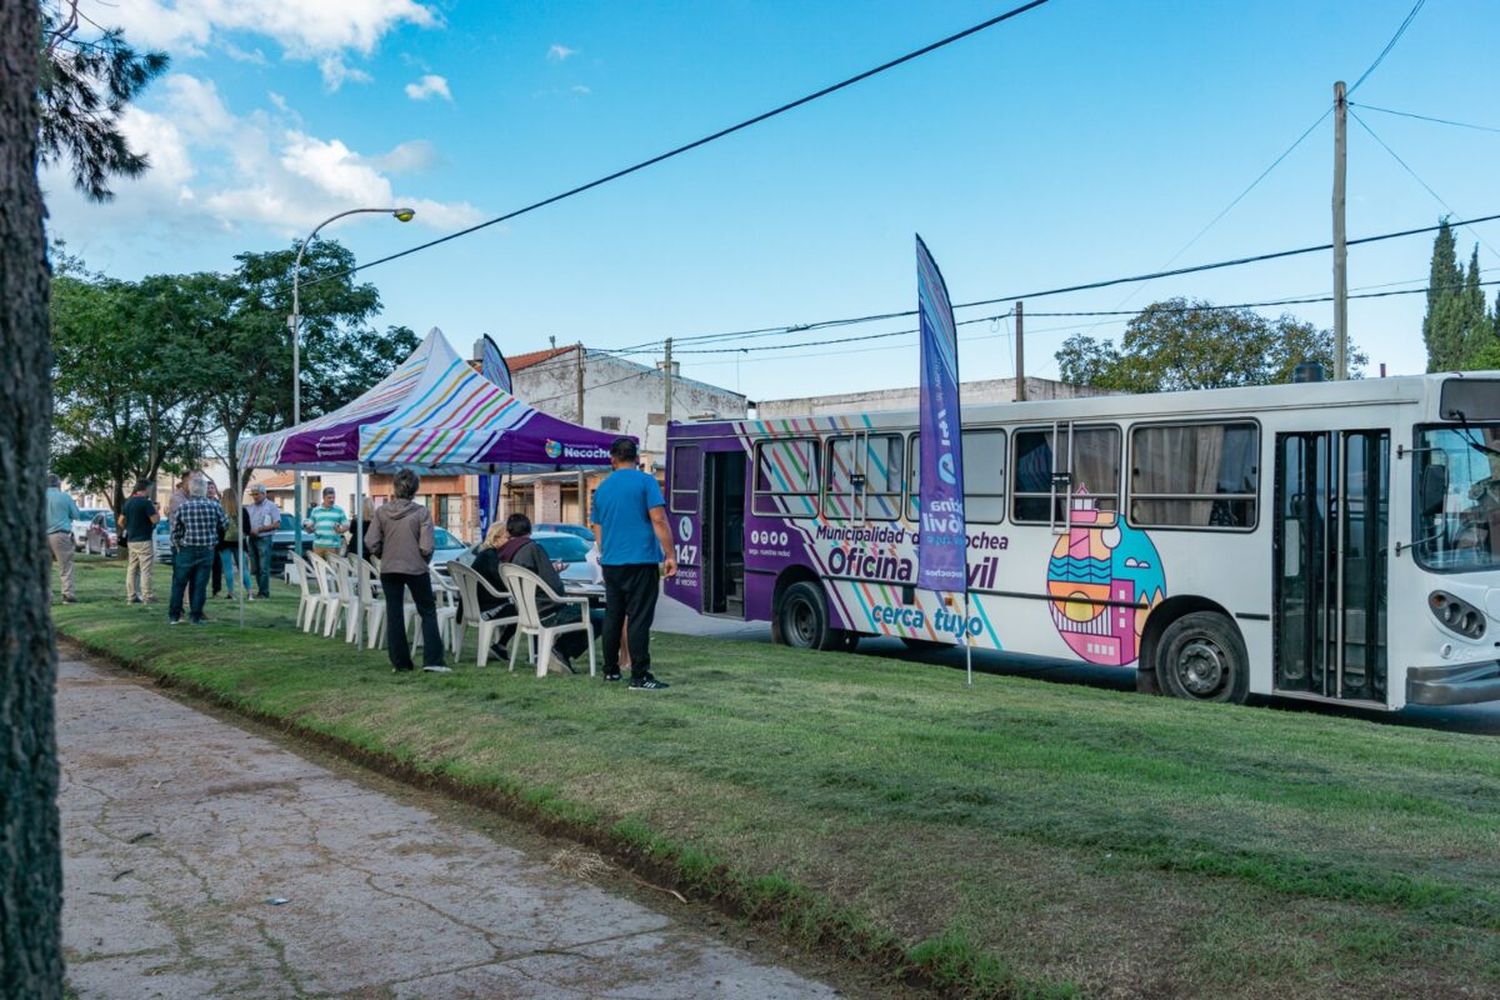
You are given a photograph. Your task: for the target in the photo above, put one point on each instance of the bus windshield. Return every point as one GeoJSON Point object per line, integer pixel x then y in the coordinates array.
{"type": "Point", "coordinates": [1458, 497]}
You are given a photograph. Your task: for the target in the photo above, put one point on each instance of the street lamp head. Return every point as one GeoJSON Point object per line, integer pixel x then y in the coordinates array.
{"type": "Point", "coordinates": [404, 214]}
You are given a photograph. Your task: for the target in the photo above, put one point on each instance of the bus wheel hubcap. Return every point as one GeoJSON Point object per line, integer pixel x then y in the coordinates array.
{"type": "Point", "coordinates": [1202, 667]}
{"type": "Point", "coordinates": [804, 624]}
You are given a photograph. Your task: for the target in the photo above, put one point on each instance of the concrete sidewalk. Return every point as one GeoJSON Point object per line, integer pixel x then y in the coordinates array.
{"type": "Point", "coordinates": [205, 861]}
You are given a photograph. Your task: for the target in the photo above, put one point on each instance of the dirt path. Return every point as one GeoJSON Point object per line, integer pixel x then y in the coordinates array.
{"type": "Point", "coordinates": [205, 860]}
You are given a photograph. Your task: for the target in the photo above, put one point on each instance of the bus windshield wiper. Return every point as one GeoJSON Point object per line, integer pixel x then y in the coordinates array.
{"type": "Point", "coordinates": [1468, 432]}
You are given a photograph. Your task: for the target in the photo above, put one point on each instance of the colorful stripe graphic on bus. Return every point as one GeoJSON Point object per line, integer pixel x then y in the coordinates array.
{"type": "Point", "coordinates": [1101, 560]}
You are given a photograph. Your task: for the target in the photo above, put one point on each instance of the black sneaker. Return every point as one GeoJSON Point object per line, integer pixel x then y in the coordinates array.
{"type": "Point", "coordinates": [648, 683]}
{"type": "Point", "coordinates": [135, 600]}
{"type": "Point", "coordinates": [612, 677]}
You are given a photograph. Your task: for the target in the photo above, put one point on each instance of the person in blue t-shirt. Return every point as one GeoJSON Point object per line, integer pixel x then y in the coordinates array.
{"type": "Point", "coordinates": [630, 525]}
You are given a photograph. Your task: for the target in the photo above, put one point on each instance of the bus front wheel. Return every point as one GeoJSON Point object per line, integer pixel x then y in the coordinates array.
{"type": "Point", "coordinates": [803, 619]}
{"type": "Point", "coordinates": [1201, 657]}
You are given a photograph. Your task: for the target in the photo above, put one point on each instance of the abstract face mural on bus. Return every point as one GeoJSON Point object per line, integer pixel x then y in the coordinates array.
{"type": "Point", "coordinates": [1101, 559]}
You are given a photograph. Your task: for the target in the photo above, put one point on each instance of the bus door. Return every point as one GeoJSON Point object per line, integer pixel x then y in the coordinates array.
{"type": "Point", "coordinates": [1329, 562]}
{"type": "Point", "coordinates": [724, 533]}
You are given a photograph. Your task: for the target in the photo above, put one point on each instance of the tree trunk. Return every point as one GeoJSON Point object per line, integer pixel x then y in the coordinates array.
{"type": "Point", "coordinates": [31, 963]}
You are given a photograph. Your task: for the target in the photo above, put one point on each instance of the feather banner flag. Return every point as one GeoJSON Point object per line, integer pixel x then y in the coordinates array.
{"type": "Point", "coordinates": [942, 551]}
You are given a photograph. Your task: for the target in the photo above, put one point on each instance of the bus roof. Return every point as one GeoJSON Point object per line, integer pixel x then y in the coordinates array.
{"type": "Point", "coordinates": [1422, 391]}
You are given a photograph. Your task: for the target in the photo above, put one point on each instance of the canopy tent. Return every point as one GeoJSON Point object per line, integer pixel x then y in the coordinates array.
{"type": "Point", "coordinates": [436, 414]}
{"type": "Point", "coordinates": [433, 414]}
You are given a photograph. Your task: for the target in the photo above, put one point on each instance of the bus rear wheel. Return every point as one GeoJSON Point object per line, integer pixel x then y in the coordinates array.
{"type": "Point", "coordinates": [802, 621]}
{"type": "Point", "coordinates": [1201, 657]}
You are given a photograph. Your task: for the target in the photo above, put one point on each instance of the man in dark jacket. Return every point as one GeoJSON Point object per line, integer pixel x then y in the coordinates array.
{"type": "Point", "coordinates": [520, 550]}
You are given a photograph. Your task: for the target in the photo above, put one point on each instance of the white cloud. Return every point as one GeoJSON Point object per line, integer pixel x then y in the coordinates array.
{"type": "Point", "coordinates": [336, 72]}
{"type": "Point", "coordinates": [409, 157]}
{"type": "Point", "coordinates": [559, 53]}
{"type": "Point", "coordinates": [320, 31]}
{"type": "Point", "coordinates": [579, 88]}
{"type": "Point", "coordinates": [430, 85]}
{"type": "Point", "coordinates": [212, 167]}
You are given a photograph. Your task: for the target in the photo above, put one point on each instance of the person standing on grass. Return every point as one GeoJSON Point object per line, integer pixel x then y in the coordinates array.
{"type": "Point", "coordinates": [400, 535]}
{"type": "Point", "coordinates": [137, 526]}
{"type": "Point", "coordinates": [630, 527]}
{"type": "Point", "coordinates": [264, 520]}
{"type": "Point", "coordinates": [61, 513]}
{"type": "Point", "coordinates": [327, 523]}
{"type": "Point", "coordinates": [227, 552]}
{"type": "Point", "coordinates": [195, 532]}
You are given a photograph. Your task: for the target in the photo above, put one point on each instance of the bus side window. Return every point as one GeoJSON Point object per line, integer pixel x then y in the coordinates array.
{"type": "Point", "coordinates": [984, 476]}
{"type": "Point", "coordinates": [786, 478]}
{"type": "Point", "coordinates": [686, 479]}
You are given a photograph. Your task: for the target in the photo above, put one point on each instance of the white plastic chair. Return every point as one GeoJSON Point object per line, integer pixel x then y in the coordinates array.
{"type": "Point", "coordinates": [361, 572]}
{"type": "Point", "coordinates": [524, 586]}
{"type": "Point", "coordinates": [347, 584]}
{"type": "Point", "coordinates": [325, 598]}
{"type": "Point", "coordinates": [308, 602]}
{"type": "Point", "coordinates": [469, 584]}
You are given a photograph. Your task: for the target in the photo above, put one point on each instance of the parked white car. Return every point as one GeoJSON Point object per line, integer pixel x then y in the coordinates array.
{"type": "Point", "coordinates": [84, 522]}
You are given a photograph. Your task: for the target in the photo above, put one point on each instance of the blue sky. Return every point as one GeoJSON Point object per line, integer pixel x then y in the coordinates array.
{"type": "Point", "coordinates": [1086, 139]}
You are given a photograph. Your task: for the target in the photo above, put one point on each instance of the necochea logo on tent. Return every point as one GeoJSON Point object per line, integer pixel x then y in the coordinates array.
{"type": "Point", "coordinates": [554, 449]}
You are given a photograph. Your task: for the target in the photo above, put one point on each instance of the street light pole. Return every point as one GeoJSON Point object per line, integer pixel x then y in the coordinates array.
{"type": "Point", "coordinates": [294, 324]}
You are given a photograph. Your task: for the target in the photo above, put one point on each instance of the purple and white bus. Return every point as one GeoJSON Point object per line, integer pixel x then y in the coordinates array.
{"type": "Point", "coordinates": [1220, 543]}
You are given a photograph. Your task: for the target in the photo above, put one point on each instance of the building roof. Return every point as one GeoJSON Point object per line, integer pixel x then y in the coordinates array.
{"type": "Point", "coordinates": [517, 362]}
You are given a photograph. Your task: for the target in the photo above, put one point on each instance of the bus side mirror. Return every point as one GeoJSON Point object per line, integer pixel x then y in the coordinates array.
{"type": "Point", "coordinates": [1434, 490]}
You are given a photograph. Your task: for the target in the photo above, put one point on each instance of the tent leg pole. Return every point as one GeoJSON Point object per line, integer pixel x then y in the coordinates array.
{"type": "Point", "coordinates": [357, 557]}
{"type": "Point", "coordinates": [239, 545]}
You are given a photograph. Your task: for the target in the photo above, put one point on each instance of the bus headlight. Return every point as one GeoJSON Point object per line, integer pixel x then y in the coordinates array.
{"type": "Point", "coordinates": [1456, 614]}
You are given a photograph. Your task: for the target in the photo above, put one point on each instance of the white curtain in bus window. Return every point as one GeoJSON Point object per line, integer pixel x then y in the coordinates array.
{"type": "Point", "coordinates": [687, 474]}
{"type": "Point", "coordinates": [786, 478]}
{"type": "Point", "coordinates": [864, 478]}
{"type": "Point", "coordinates": [1194, 475]}
{"type": "Point", "coordinates": [984, 476]}
{"type": "Point", "coordinates": [1094, 478]}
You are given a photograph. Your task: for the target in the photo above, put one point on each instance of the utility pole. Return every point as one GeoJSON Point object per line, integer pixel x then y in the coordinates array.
{"type": "Point", "coordinates": [1340, 247]}
{"type": "Point", "coordinates": [1020, 352]}
{"type": "Point", "coordinates": [666, 367]}
{"type": "Point", "coordinates": [583, 495]}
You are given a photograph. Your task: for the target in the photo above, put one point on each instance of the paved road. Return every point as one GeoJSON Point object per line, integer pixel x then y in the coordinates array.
{"type": "Point", "coordinates": [182, 829]}
{"type": "Point", "coordinates": [673, 616]}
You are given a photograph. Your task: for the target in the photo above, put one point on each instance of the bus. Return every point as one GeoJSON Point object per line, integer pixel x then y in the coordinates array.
{"type": "Point", "coordinates": [1332, 541]}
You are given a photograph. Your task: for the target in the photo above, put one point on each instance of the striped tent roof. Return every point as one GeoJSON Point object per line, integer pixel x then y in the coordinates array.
{"type": "Point", "coordinates": [433, 413]}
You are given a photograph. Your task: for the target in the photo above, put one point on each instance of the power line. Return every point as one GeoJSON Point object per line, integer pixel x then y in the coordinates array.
{"type": "Point", "coordinates": [1427, 187]}
{"type": "Point", "coordinates": [649, 346]}
{"type": "Point", "coordinates": [1410, 17]}
{"type": "Point", "coordinates": [679, 150]}
{"type": "Point", "coordinates": [1425, 118]}
{"type": "Point", "coordinates": [1207, 307]}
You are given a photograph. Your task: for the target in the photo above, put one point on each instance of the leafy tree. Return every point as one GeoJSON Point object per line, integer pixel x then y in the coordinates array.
{"type": "Point", "coordinates": [1177, 344]}
{"type": "Point", "coordinates": [126, 380]}
{"type": "Point", "coordinates": [31, 959]}
{"type": "Point", "coordinates": [84, 84]}
{"type": "Point", "coordinates": [247, 379]}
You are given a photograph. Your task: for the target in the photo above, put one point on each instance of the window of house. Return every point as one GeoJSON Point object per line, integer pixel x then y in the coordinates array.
{"type": "Point", "coordinates": [864, 477]}
{"type": "Point", "coordinates": [786, 478]}
{"type": "Point", "coordinates": [609, 423]}
{"type": "Point", "coordinates": [1087, 461]}
{"type": "Point", "coordinates": [686, 478]}
{"type": "Point", "coordinates": [984, 476]}
{"type": "Point", "coordinates": [1194, 475]}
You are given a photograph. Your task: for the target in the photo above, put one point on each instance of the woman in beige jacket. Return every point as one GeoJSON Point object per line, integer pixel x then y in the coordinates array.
{"type": "Point", "coordinates": [400, 534]}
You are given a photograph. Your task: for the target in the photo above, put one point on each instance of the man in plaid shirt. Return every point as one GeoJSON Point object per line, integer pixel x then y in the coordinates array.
{"type": "Point", "coordinates": [197, 524]}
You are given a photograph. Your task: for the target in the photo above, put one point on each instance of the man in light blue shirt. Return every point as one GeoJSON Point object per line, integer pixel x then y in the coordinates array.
{"type": "Point", "coordinates": [630, 525]}
{"type": "Point", "coordinates": [61, 513]}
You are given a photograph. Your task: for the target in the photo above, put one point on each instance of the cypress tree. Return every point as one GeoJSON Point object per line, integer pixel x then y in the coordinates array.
{"type": "Point", "coordinates": [1441, 327]}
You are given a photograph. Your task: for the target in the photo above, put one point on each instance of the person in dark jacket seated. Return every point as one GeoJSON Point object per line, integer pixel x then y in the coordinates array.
{"type": "Point", "coordinates": [519, 550]}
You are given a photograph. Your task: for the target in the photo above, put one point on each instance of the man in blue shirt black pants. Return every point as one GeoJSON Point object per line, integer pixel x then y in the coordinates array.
{"type": "Point", "coordinates": [630, 525]}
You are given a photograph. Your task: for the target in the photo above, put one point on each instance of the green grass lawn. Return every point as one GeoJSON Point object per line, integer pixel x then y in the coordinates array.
{"type": "Point", "coordinates": [1016, 837]}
